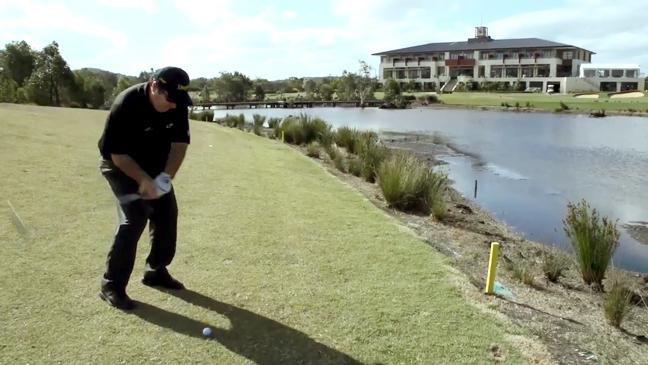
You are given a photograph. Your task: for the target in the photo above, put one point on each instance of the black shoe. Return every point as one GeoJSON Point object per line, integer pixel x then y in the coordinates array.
{"type": "Point", "coordinates": [162, 279]}
{"type": "Point", "coordinates": [117, 299]}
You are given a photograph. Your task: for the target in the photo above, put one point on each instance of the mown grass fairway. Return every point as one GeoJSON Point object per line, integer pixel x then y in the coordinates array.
{"type": "Point", "coordinates": [284, 262]}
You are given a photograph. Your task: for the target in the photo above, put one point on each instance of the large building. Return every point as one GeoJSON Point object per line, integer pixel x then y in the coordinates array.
{"type": "Point", "coordinates": [530, 64]}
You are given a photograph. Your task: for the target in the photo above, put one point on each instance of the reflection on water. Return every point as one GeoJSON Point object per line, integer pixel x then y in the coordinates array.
{"type": "Point", "coordinates": [529, 165]}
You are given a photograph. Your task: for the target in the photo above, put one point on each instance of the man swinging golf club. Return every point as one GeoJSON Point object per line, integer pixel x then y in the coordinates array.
{"type": "Point", "coordinates": [142, 147]}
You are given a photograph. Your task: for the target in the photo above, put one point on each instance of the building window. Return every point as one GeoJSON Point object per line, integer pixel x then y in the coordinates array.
{"type": "Point", "coordinates": [527, 71]}
{"type": "Point", "coordinates": [400, 74]}
{"type": "Point", "coordinates": [543, 71]}
{"type": "Point", "coordinates": [412, 74]}
{"type": "Point", "coordinates": [496, 71]}
{"type": "Point", "coordinates": [426, 73]}
{"type": "Point", "coordinates": [631, 73]}
{"type": "Point", "coordinates": [589, 73]}
{"type": "Point", "coordinates": [627, 86]}
{"type": "Point", "coordinates": [547, 54]}
{"type": "Point", "coordinates": [441, 71]}
{"type": "Point", "coordinates": [481, 71]}
{"type": "Point", "coordinates": [603, 73]}
{"type": "Point", "coordinates": [617, 73]}
{"type": "Point", "coordinates": [568, 55]}
{"type": "Point", "coordinates": [512, 72]}
{"type": "Point", "coordinates": [388, 73]}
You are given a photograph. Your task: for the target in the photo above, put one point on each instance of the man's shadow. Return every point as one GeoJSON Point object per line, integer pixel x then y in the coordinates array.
{"type": "Point", "coordinates": [255, 337]}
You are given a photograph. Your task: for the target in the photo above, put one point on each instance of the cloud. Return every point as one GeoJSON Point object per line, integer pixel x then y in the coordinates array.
{"type": "Point", "coordinates": [614, 30]}
{"type": "Point", "coordinates": [289, 14]}
{"type": "Point", "coordinates": [149, 6]}
{"type": "Point", "coordinates": [206, 13]}
{"type": "Point", "coordinates": [50, 17]}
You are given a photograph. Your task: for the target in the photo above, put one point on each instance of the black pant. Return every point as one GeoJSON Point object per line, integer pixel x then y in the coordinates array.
{"type": "Point", "coordinates": [162, 216]}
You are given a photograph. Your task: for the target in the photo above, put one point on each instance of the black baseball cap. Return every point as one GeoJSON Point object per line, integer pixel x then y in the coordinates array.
{"type": "Point", "coordinates": [176, 83]}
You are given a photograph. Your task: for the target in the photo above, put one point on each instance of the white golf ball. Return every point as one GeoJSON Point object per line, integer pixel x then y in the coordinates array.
{"type": "Point", "coordinates": [207, 332]}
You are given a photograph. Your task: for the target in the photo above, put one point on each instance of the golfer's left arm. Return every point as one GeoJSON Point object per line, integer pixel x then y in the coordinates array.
{"type": "Point", "coordinates": [176, 156]}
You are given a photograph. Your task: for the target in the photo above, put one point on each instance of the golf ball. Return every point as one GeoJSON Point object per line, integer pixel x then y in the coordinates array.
{"type": "Point", "coordinates": [207, 332]}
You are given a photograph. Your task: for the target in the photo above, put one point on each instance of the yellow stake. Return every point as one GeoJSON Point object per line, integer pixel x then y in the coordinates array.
{"type": "Point", "coordinates": [492, 267]}
{"type": "Point", "coordinates": [282, 136]}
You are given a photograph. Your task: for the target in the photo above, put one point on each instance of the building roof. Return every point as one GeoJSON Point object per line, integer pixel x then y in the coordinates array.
{"type": "Point", "coordinates": [476, 46]}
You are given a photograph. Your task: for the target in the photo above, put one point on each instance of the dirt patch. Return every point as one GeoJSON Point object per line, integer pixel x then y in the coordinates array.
{"type": "Point", "coordinates": [566, 317]}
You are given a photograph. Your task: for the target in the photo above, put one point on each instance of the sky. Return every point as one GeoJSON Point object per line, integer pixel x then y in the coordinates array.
{"type": "Point", "coordinates": [279, 39]}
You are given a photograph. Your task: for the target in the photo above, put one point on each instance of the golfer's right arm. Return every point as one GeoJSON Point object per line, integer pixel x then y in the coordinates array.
{"type": "Point", "coordinates": [128, 166]}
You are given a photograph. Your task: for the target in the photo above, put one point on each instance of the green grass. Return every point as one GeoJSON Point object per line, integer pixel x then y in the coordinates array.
{"type": "Point", "coordinates": [544, 101]}
{"type": "Point", "coordinates": [286, 263]}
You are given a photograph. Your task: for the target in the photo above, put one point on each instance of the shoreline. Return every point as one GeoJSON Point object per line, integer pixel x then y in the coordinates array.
{"type": "Point", "coordinates": [561, 315]}
{"type": "Point", "coordinates": [430, 147]}
{"type": "Point", "coordinates": [513, 109]}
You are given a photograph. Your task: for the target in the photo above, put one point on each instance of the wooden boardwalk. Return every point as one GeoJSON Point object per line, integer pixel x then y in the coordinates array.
{"type": "Point", "coordinates": [292, 104]}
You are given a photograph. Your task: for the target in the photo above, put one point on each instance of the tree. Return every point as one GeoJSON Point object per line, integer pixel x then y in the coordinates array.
{"type": "Point", "coordinates": [259, 93]}
{"type": "Point", "coordinates": [232, 86]}
{"type": "Point", "coordinates": [347, 86]}
{"type": "Point", "coordinates": [18, 61]}
{"type": "Point", "coordinates": [51, 78]}
{"type": "Point", "coordinates": [204, 95]}
{"type": "Point", "coordinates": [123, 83]}
{"type": "Point", "coordinates": [8, 88]}
{"type": "Point", "coordinates": [310, 87]}
{"type": "Point", "coordinates": [392, 90]}
{"type": "Point", "coordinates": [96, 93]}
{"type": "Point", "coordinates": [365, 83]}
{"type": "Point", "coordinates": [326, 91]}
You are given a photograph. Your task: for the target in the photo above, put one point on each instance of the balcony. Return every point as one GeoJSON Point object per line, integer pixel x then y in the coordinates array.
{"type": "Point", "coordinates": [464, 62]}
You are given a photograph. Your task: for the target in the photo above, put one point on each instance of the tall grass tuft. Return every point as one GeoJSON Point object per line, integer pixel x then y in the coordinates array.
{"type": "Point", "coordinates": [303, 129]}
{"type": "Point", "coordinates": [594, 240]}
{"type": "Point", "coordinates": [554, 264]}
{"type": "Point", "coordinates": [338, 161]}
{"type": "Point", "coordinates": [332, 151]}
{"type": "Point", "coordinates": [258, 123]}
{"type": "Point", "coordinates": [618, 302]}
{"type": "Point", "coordinates": [372, 154]}
{"type": "Point", "coordinates": [346, 137]}
{"type": "Point", "coordinates": [410, 185]}
{"type": "Point", "coordinates": [240, 122]}
{"type": "Point", "coordinates": [313, 150]}
{"type": "Point", "coordinates": [274, 122]}
{"type": "Point", "coordinates": [522, 273]}
{"type": "Point", "coordinates": [355, 167]}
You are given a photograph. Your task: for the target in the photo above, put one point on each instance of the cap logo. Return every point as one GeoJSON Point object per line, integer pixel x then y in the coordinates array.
{"type": "Point", "coordinates": [163, 80]}
{"type": "Point", "coordinates": [183, 87]}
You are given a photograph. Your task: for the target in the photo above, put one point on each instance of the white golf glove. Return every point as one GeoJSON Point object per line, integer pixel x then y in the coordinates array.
{"type": "Point", "coordinates": [163, 184]}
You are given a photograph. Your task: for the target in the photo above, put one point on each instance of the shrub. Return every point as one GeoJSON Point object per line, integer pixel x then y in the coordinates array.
{"type": "Point", "coordinates": [338, 161]}
{"type": "Point", "coordinates": [313, 150]}
{"type": "Point", "coordinates": [410, 185]}
{"type": "Point", "coordinates": [355, 167]}
{"type": "Point", "coordinates": [563, 106]}
{"type": "Point", "coordinates": [258, 123]}
{"type": "Point", "coordinates": [553, 265]}
{"type": "Point", "coordinates": [432, 99]}
{"type": "Point", "coordinates": [617, 303]}
{"type": "Point", "coordinates": [594, 240]}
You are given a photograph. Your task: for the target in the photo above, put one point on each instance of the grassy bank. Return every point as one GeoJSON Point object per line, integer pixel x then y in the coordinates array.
{"type": "Point", "coordinates": [284, 262]}
{"type": "Point", "coordinates": [545, 101]}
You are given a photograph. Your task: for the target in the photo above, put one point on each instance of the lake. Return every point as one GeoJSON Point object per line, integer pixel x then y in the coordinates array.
{"type": "Point", "coordinates": [528, 165]}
